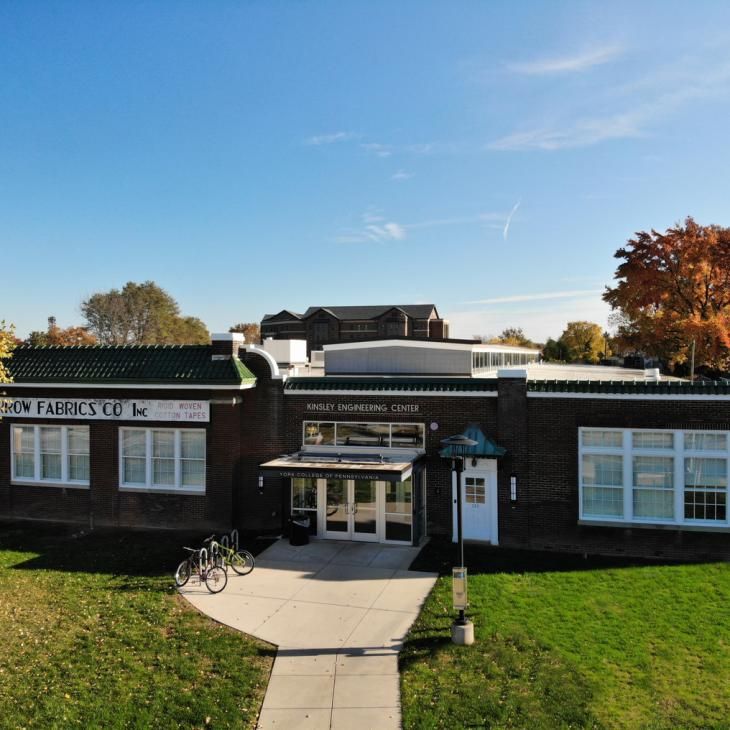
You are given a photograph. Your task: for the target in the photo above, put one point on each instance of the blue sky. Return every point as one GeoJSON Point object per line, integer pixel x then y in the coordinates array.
{"type": "Point", "coordinates": [489, 157]}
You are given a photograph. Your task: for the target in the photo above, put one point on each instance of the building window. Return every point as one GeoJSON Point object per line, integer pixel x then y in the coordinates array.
{"type": "Point", "coordinates": [665, 477]}
{"type": "Point", "coordinates": [50, 454]}
{"type": "Point", "coordinates": [705, 489]}
{"type": "Point", "coordinates": [475, 490]}
{"type": "Point", "coordinates": [162, 458]}
{"type": "Point", "coordinates": [381, 435]}
{"type": "Point", "coordinates": [653, 485]}
{"type": "Point", "coordinates": [603, 439]}
{"type": "Point", "coordinates": [603, 492]}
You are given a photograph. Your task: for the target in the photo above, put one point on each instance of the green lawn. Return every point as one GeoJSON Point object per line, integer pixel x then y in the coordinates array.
{"type": "Point", "coordinates": [566, 642]}
{"type": "Point", "coordinates": [94, 635]}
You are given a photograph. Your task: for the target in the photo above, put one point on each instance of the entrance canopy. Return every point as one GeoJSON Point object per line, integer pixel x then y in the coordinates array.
{"type": "Point", "coordinates": [395, 468]}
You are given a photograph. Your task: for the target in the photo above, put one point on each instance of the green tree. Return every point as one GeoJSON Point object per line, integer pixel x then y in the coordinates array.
{"type": "Point", "coordinates": [251, 331]}
{"type": "Point", "coordinates": [583, 341]}
{"type": "Point", "coordinates": [140, 314]}
{"type": "Point", "coordinates": [60, 336]}
{"type": "Point", "coordinates": [512, 336]}
{"type": "Point", "coordinates": [7, 345]}
{"type": "Point", "coordinates": [555, 351]}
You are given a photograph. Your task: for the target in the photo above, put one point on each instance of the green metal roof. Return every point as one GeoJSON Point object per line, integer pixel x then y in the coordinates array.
{"type": "Point", "coordinates": [392, 384]}
{"type": "Point", "coordinates": [126, 364]}
{"type": "Point", "coordinates": [638, 387]}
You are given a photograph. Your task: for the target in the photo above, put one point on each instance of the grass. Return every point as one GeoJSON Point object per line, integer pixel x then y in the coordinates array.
{"type": "Point", "coordinates": [563, 642]}
{"type": "Point", "coordinates": [94, 635]}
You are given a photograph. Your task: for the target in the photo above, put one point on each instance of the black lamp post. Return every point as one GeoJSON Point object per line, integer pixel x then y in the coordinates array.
{"type": "Point", "coordinates": [457, 446]}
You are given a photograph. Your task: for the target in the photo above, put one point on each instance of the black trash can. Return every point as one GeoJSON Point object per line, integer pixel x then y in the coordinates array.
{"type": "Point", "coordinates": [299, 531]}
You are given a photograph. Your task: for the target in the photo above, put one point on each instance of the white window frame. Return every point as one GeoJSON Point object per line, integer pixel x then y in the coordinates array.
{"type": "Point", "coordinates": [149, 486]}
{"type": "Point", "coordinates": [678, 453]}
{"type": "Point", "coordinates": [37, 479]}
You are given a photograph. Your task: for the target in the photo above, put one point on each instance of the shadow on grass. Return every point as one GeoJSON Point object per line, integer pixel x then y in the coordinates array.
{"type": "Point", "coordinates": [440, 556]}
{"type": "Point", "coordinates": [116, 552]}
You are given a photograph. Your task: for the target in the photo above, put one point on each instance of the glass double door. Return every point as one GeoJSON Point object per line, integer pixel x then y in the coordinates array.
{"type": "Point", "coordinates": [351, 509]}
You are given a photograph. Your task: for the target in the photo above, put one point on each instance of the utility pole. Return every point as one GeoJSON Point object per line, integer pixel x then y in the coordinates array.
{"type": "Point", "coordinates": [692, 366]}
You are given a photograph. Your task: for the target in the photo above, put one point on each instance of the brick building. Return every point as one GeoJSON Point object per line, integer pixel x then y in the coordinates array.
{"type": "Point", "coordinates": [223, 435]}
{"type": "Point", "coordinates": [326, 325]}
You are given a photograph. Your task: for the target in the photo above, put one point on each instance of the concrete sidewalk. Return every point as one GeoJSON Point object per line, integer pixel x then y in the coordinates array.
{"type": "Point", "coordinates": [338, 612]}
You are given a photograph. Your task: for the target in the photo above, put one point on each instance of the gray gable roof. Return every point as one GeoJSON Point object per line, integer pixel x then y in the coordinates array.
{"type": "Point", "coordinates": [417, 311]}
{"type": "Point", "coordinates": [294, 315]}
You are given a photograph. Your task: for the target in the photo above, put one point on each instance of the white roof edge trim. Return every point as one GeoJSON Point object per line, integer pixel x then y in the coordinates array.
{"type": "Point", "coordinates": [421, 344]}
{"type": "Point", "coordinates": [273, 366]}
{"type": "Point", "coordinates": [418, 344]}
{"type": "Point", "coordinates": [396, 393]}
{"type": "Point", "coordinates": [629, 396]}
{"type": "Point", "coordinates": [227, 337]}
{"type": "Point", "coordinates": [132, 386]}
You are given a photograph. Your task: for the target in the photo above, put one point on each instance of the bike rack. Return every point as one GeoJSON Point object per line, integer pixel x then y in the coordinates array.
{"type": "Point", "coordinates": [225, 541]}
{"type": "Point", "coordinates": [234, 539]}
{"type": "Point", "coordinates": [204, 557]}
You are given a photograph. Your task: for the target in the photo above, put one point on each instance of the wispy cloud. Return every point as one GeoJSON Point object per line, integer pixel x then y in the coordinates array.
{"type": "Point", "coordinates": [538, 321]}
{"type": "Point", "coordinates": [580, 133]}
{"type": "Point", "coordinates": [645, 103]}
{"type": "Point", "coordinates": [377, 229]}
{"type": "Point", "coordinates": [401, 175]}
{"type": "Point", "coordinates": [374, 233]}
{"type": "Point", "coordinates": [380, 150]}
{"type": "Point", "coordinates": [321, 139]}
{"type": "Point", "coordinates": [505, 230]}
{"type": "Point", "coordinates": [567, 64]}
{"type": "Point", "coordinates": [572, 294]}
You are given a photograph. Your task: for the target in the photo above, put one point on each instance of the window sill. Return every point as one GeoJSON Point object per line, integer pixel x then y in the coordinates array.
{"type": "Point", "coordinates": [163, 490]}
{"type": "Point", "coordinates": [700, 527]}
{"type": "Point", "coordinates": [53, 485]}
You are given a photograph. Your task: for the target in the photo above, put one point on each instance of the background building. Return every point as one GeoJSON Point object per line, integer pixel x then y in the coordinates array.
{"type": "Point", "coordinates": [326, 325]}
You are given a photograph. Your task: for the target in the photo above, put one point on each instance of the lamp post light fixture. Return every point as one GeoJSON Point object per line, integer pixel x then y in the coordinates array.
{"type": "Point", "coordinates": [462, 630]}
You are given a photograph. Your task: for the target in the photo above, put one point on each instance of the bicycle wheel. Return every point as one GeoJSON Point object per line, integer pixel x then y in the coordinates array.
{"type": "Point", "coordinates": [215, 579]}
{"type": "Point", "coordinates": [182, 574]}
{"type": "Point", "coordinates": [242, 562]}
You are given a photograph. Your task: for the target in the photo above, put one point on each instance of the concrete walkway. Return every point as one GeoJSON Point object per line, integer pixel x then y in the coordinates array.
{"type": "Point", "coordinates": [338, 612]}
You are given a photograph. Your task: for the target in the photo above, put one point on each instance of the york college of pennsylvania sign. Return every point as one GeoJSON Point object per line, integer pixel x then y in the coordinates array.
{"type": "Point", "coordinates": [107, 409]}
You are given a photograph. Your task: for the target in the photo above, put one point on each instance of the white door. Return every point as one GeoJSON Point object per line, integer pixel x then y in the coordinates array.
{"type": "Point", "coordinates": [350, 509]}
{"type": "Point", "coordinates": [478, 504]}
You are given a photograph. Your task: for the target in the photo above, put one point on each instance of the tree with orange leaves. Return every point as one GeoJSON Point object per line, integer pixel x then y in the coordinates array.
{"type": "Point", "coordinates": [61, 336]}
{"type": "Point", "coordinates": [673, 289]}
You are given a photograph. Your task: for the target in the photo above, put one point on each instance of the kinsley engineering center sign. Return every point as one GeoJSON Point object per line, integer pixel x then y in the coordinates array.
{"type": "Point", "coordinates": [107, 409]}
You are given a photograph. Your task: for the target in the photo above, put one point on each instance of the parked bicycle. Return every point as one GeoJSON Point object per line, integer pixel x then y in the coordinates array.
{"type": "Point", "coordinates": [221, 554]}
{"type": "Point", "coordinates": [200, 564]}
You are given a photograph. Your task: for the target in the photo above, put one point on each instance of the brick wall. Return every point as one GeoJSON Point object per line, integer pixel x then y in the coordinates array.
{"type": "Point", "coordinates": [263, 436]}
{"type": "Point", "coordinates": [547, 513]}
{"type": "Point", "coordinates": [451, 414]}
{"type": "Point", "coordinates": [103, 504]}
{"type": "Point", "coordinates": [540, 435]}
